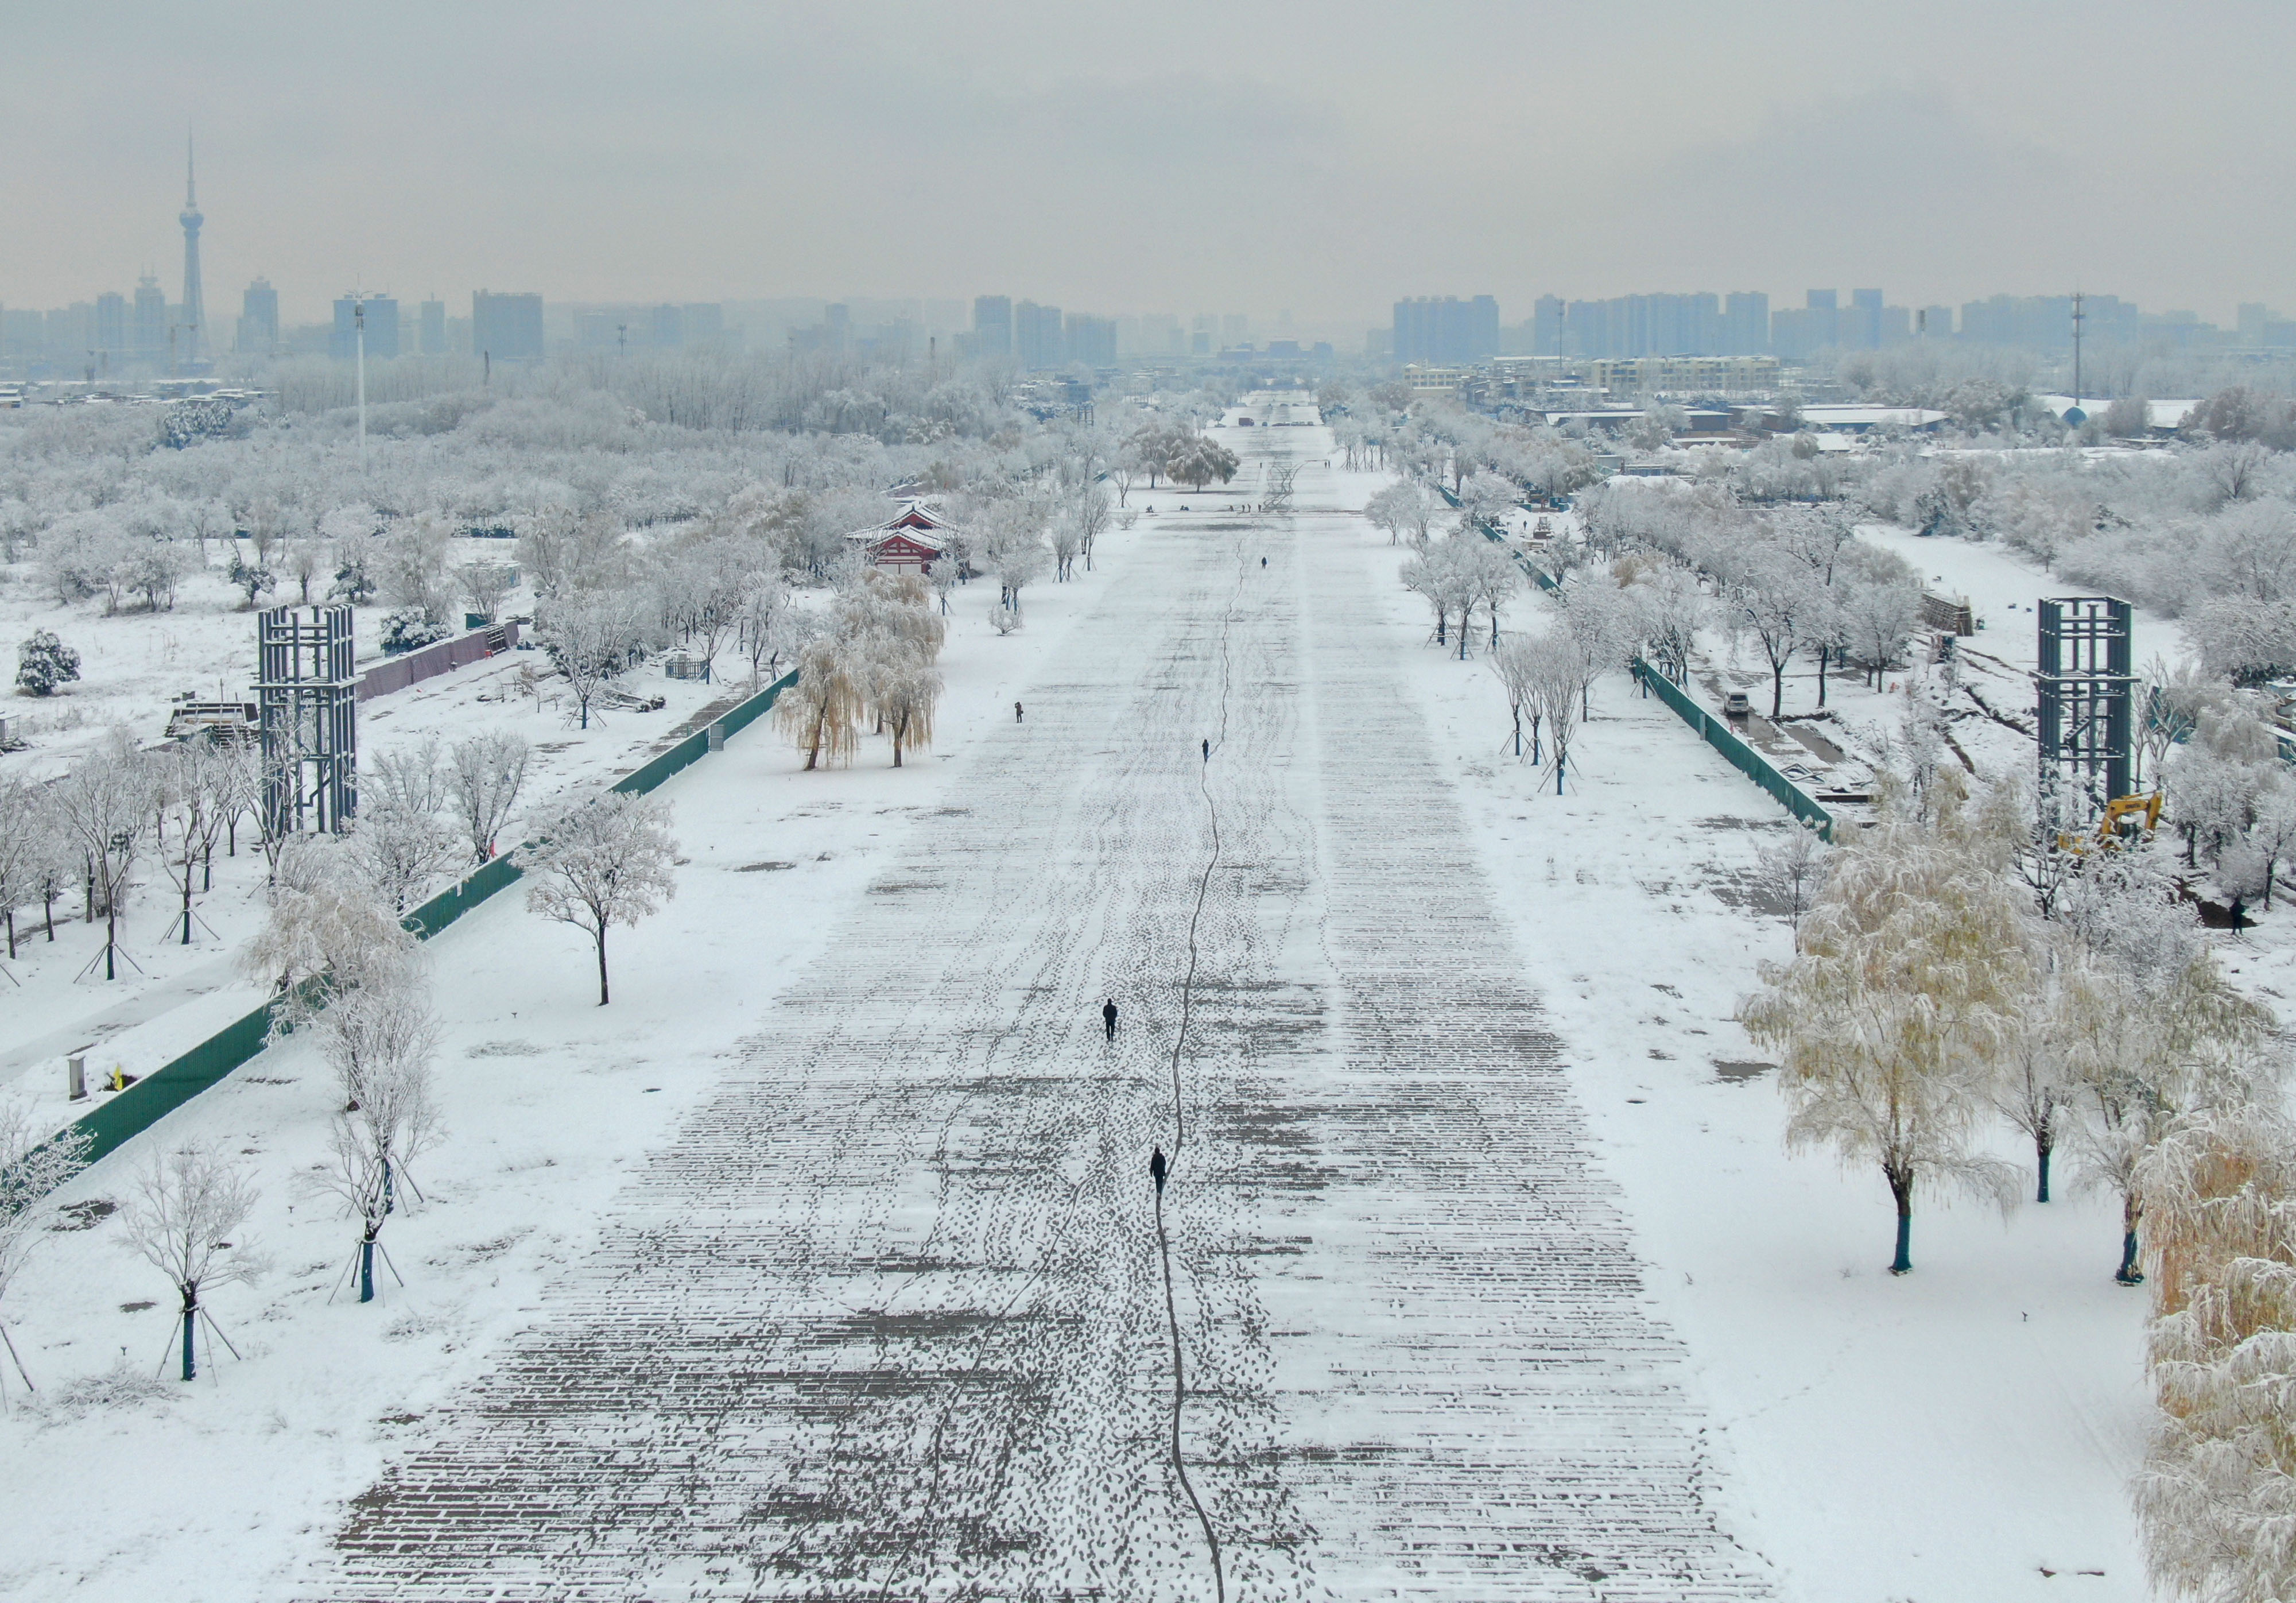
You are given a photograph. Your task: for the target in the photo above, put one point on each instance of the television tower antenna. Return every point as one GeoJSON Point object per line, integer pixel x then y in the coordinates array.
{"type": "Point", "coordinates": [194, 308]}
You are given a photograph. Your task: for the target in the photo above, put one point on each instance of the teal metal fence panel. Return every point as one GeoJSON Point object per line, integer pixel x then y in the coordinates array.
{"type": "Point", "coordinates": [130, 1112]}
{"type": "Point", "coordinates": [1717, 734]}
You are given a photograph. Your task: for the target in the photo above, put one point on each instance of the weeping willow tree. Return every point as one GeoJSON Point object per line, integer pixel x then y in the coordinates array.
{"type": "Point", "coordinates": [1891, 1021]}
{"type": "Point", "coordinates": [821, 712]}
{"type": "Point", "coordinates": [2217, 1497]}
{"type": "Point", "coordinates": [2153, 1049]}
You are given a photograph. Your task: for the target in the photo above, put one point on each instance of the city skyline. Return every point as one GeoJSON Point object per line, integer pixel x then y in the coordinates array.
{"type": "Point", "coordinates": [1257, 165]}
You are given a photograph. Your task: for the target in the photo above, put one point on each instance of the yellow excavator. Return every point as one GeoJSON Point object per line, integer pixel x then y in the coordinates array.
{"type": "Point", "coordinates": [2144, 811]}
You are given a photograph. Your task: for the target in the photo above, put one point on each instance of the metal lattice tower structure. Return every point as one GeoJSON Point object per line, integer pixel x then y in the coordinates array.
{"type": "Point", "coordinates": [2084, 686]}
{"type": "Point", "coordinates": [195, 316]}
{"type": "Point", "coordinates": [307, 697]}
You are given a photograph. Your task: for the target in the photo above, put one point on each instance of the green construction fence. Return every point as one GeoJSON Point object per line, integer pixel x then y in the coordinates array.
{"type": "Point", "coordinates": [130, 1112]}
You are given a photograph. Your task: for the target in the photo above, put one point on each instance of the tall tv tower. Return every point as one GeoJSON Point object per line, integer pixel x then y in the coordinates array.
{"type": "Point", "coordinates": [194, 308]}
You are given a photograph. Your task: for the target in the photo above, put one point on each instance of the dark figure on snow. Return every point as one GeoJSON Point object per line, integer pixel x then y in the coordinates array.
{"type": "Point", "coordinates": [1263, 562]}
{"type": "Point", "coordinates": [1207, 749]}
{"type": "Point", "coordinates": [1016, 713]}
{"type": "Point", "coordinates": [1107, 1017]}
{"type": "Point", "coordinates": [1156, 1169]}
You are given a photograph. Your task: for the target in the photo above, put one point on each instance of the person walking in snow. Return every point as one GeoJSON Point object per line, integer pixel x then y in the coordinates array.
{"type": "Point", "coordinates": [1108, 1017]}
{"type": "Point", "coordinates": [1158, 1169]}
{"type": "Point", "coordinates": [1207, 748]}
{"type": "Point", "coordinates": [1016, 713]}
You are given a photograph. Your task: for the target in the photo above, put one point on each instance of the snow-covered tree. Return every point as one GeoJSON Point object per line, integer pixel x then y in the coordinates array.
{"type": "Point", "coordinates": [2155, 1047]}
{"type": "Point", "coordinates": [326, 935]}
{"type": "Point", "coordinates": [1404, 509]}
{"type": "Point", "coordinates": [1776, 599]}
{"type": "Point", "coordinates": [600, 861]}
{"type": "Point", "coordinates": [1891, 1021]}
{"type": "Point", "coordinates": [380, 1042]}
{"type": "Point", "coordinates": [1447, 582]}
{"type": "Point", "coordinates": [44, 662]}
{"type": "Point", "coordinates": [188, 1206]}
{"type": "Point", "coordinates": [2216, 1499]}
{"type": "Point", "coordinates": [102, 807]}
{"type": "Point", "coordinates": [1791, 873]}
{"type": "Point", "coordinates": [483, 777]}
{"type": "Point", "coordinates": [399, 843]}
{"type": "Point", "coordinates": [592, 641]}
{"type": "Point", "coordinates": [1559, 690]}
{"type": "Point", "coordinates": [483, 586]}
{"type": "Point", "coordinates": [34, 1160]}
{"type": "Point", "coordinates": [196, 782]}
{"type": "Point", "coordinates": [1515, 662]}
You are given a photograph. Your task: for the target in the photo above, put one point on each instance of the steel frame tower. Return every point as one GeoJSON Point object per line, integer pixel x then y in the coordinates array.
{"type": "Point", "coordinates": [195, 313]}
{"type": "Point", "coordinates": [307, 697]}
{"type": "Point", "coordinates": [2084, 686]}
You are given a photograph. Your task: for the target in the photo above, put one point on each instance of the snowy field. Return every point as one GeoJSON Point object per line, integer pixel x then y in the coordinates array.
{"type": "Point", "coordinates": [824, 1262]}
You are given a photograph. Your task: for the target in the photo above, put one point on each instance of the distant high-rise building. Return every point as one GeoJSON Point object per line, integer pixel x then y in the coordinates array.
{"type": "Point", "coordinates": [111, 326]}
{"type": "Point", "coordinates": [2253, 317]}
{"type": "Point", "coordinates": [194, 343]}
{"type": "Point", "coordinates": [1091, 340]}
{"type": "Point", "coordinates": [1934, 322]}
{"type": "Point", "coordinates": [431, 328]}
{"type": "Point", "coordinates": [381, 328]}
{"type": "Point", "coordinates": [992, 326]}
{"type": "Point", "coordinates": [506, 328]}
{"type": "Point", "coordinates": [258, 320]}
{"type": "Point", "coordinates": [1036, 336]}
{"type": "Point", "coordinates": [667, 325]}
{"type": "Point", "coordinates": [1448, 333]}
{"type": "Point", "coordinates": [1746, 324]}
{"type": "Point", "coordinates": [151, 333]}
{"type": "Point", "coordinates": [1235, 328]}
{"type": "Point", "coordinates": [1862, 329]}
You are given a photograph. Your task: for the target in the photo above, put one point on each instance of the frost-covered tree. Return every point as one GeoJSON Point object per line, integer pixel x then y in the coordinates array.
{"type": "Point", "coordinates": [1791, 873]}
{"type": "Point", "coordinates": [2216, 1498]}
{"type": "Point", "coordinates": [483, 586]}
{"type": "Point", "coordinates": [2156, 1048]}
{"type": "Point", "coordinates": [188, 1206]}
{"type": "Point", "coordinates": [1891, 1021]}
{"type": "Point", "coordinates": [1404, 509]}
{"type": "Point", "coordinates": [821, 712]}
{"type": "Point", "coordinates": [483, 777]}
{"type": "Point", "coordinates": [1515, 663]}
{"type": "Point", "coordinates": [1444, 575]}
{"type": "Point", "coordinates": [196, 782]}
{"type": "Point", "coordinates": [380, 1042]}
{"type": "Point", "coordinates": [34, 1160]}
{"type": "Point", "coordinates": [1776, 599]}
{"type": "Point", "coordinates": [592, 641]}
{"type": "Point", "coordinates": [326, 933]}
{"type": "Point", "coordinates": [1558, 679]}
{"type": "Point", "coordinates": [2037, 1089]}
{"type": "Point", "coordinates": [400, 845]}
{"type": "Point", "coordinates": [599, 861]}
{"type": "Point", "coordinates": [102, 807]}
{"type": "Point", "coordinates": [43, 662]}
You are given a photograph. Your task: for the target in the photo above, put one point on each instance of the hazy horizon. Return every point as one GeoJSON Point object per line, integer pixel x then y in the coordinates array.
{"type": "Point", "coordinates": [1322, 161]}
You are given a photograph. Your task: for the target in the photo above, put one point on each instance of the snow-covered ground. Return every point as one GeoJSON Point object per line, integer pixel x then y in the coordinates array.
{"type": "Point", "coordinates": [843, 1195]}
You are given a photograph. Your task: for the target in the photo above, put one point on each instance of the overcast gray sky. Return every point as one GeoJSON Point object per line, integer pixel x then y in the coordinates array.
{"type": "Point", "coordinates": [1181, 155]}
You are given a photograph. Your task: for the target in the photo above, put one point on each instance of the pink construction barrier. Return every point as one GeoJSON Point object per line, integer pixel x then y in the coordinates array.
{"type": "Point", "coordinates": [417, 666]}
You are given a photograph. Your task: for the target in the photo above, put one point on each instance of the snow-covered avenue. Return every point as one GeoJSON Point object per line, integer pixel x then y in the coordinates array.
{"type": "Point", "coordinates": [888, 1319]}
